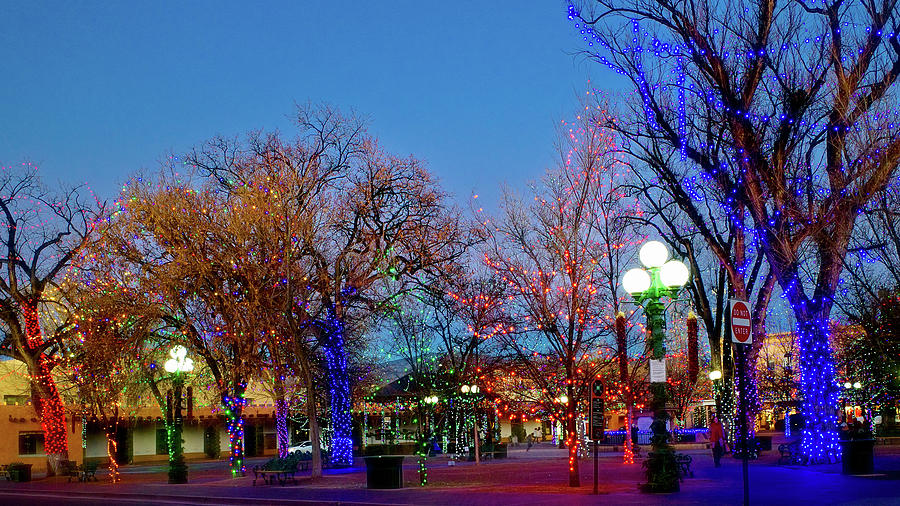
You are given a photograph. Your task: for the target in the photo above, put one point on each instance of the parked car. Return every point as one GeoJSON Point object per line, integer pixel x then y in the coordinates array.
{"type": "Point", "coordinates": [303, 447]}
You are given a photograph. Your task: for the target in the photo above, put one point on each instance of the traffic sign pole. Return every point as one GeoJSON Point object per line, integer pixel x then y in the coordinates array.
{"type": "Point", "coordinates": [742, 336]}
{"type": "Point", "coordinates": [597, 427]}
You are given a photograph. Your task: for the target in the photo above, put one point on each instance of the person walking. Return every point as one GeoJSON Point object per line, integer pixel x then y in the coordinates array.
{"type": "Point", "coordinates": [530, 440]}
{"type": "Point", "coordinates": [717, 439]}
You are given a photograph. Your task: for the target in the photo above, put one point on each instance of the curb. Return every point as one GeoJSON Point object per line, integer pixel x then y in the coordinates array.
{"type": "Point", "coordinates": [31, 494]}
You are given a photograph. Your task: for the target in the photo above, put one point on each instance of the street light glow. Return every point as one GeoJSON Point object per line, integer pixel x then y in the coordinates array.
{"type": "Point", "coordinates": [653, 254]}
{"type": "Point", "coordinates": [857, 385]}
{"type": "Point", "coordinates": [636, 281]}
{"type": "Point", "coordinates": [714, 375]}
{"type": "Point", "coordinates": [179, 361]}
{"type": "Point", "coordinates": [848, 385]}
{"type": "Point", "coordinates": [674, 274]}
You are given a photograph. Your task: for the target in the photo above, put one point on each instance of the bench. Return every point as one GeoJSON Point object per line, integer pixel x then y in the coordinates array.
{"type": "Point", "coordinates": [790, 453]}
{"type": "Point", "coordinates": [88, 471]}
{"type": "Point", "coordinates": [69, 469]}
{"type": "Point", "coordinates": [490, 452]}
{"type": "Point", "coordinates": [684, 465]}
{"type": "Point", "coordinates": [276, 469]}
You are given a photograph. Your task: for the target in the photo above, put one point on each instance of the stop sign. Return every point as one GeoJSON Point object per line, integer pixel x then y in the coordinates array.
{"type": "Point", "coordinates": [740, 322]}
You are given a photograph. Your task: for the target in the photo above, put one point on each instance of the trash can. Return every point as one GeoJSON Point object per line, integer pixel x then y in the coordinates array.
{"type": "Point", "coordinates": [857, 456]}
{"type": "Point", "coordinates": [384, 471]}
{"type": "Point", "coordinates": [19, 472]}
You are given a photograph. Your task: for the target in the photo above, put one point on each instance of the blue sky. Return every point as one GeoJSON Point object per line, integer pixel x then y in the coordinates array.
{"type": "Point", "coordinates": [94, 93]}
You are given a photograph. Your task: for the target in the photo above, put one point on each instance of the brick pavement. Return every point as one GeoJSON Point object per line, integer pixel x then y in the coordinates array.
{"type": "Point", "coordinates": [535, 477]}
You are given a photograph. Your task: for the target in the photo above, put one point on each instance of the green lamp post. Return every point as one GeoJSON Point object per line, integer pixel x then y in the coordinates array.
{"type": "Point", "coordinates": [660, 278]}
{"type": "Point", "coordinates": [471, 391]}
{"type": "Point", "coordinates": [178, 366]}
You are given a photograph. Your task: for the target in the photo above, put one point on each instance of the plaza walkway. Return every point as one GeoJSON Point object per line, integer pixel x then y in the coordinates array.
{"type": "Point", "coordinates": [535, 477]}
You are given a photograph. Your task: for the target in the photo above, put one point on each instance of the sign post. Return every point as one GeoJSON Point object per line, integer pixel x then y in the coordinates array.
{"type": "Point", "coordinates": [742, 336]}
{"type": "Point", "coordinates": [598, 425]}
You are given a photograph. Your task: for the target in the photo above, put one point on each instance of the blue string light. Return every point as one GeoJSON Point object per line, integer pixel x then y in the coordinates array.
{"type": "Point", "coordinates": [339, 390]}
{"type": "Point", "coordinates": [629, 57]}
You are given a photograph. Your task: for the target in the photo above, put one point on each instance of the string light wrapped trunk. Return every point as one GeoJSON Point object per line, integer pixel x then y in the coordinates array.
{"type": "Point", "coordinates": [47, 402]}
{"type": "Point", "coordinates": [693, 355]}
{"type": "Point", "coordinates": [622, 348]}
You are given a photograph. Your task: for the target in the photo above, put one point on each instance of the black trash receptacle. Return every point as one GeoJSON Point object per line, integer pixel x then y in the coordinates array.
{"type": "Point", "coordinates": [19, 472]}
{"type": "Point", "coordinates": [384, 471]}
{"type": "Point", "coordinates": [858, 456]}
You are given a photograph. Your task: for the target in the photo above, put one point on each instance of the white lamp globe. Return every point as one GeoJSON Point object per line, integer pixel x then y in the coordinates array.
{"type": "Point", "coordinates": [714, 375]}
{"type": "Point", "coordinates": [178, 352]}
{"type": "Point", "coordinates": [857, 385]}
{"type": "Point", "coordinates": [474, 389]}
{"type": "Point", "coordinates": [188, 365]}
{"type": "Point", "coordinates": [653, 254]}
{"type": "Point", "coordinates": [563, 399]}
{"type": "Point", "coordinates": [636, 281]}
{"type": "Point", "coordinates": [848, 385]}
{"type": "Point", "coordinates": [465, 389]}
{"type": "Point", "coordinates": [674, 274]}
{"type": "Point", "coordinates": [171, 365]}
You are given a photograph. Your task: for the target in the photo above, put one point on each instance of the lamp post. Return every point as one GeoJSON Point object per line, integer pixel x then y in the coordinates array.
{"type": "Point", "coordinates": [852, 390]}
{"type": "Point", "coordinates": [425, 443]}
{"type": "Point", "coordinates": [715, 376]}
{"type": "Point", "coordinates": [430, 403]}
{"type": "Point", "coordinates": [177, 365]}
{"type": "Point", "coordinates": [473, 391]}
{"type": "Point", "coordinates": [660, 278]}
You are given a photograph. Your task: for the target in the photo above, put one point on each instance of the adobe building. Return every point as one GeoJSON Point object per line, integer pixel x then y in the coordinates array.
{"type": "Point", "coordinates": [141, 435]}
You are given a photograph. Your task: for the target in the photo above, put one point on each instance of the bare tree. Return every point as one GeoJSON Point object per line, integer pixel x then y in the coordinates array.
{"type": "Point", "coordinates": [202, 261]}
{"type": "Point", "coordinates": [368, 217]}
{"type": "Point", "coordinates": [44, 231]}
{"type": "Point", "coordinates": [550, 252]}
{"type": "Point", "coordinates": [784, 109]}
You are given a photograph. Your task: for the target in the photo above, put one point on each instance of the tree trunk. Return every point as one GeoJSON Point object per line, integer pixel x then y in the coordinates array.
{"type": "Point", "coordinates": [234, 410]}
{"type": "Point", "coordinates": [820, 393]}
{"type": "Point", "coordinates": [312, 415]}
{"type": "Point", "coordinates": [47, 404]}
{"type": "Point", "coordinates": [283, 438]}
{"type": "Point", "coordinates": [727, 389]}
{"type": "Point", "coordinates": [339, 381]}
{"type": "Point", "coordinates": [622, 346]}
{"type": "Point", "coordinates": [572, 432]}
{"type": "Point", "coordinates": [628, 458]}
{"type": "Point", "coordinates": [111, 449]}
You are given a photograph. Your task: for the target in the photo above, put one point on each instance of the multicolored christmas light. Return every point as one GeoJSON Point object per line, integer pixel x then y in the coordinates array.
{"type": "Point", "coordinates": [52, 411]}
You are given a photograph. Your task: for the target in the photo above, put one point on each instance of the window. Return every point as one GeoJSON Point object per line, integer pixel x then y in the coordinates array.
{"type": "Point", "coordinates": [16, 400]}
{"type": "Point", "coordinates": [31, 443]}
{"type": "Point", "coordinates": [270, 441]}
{"type": "Point", "coordinates": [162, 442]}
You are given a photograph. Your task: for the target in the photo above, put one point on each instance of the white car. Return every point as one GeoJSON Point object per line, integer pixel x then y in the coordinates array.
{"type": "Point", "coordinates": [303, 447]}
